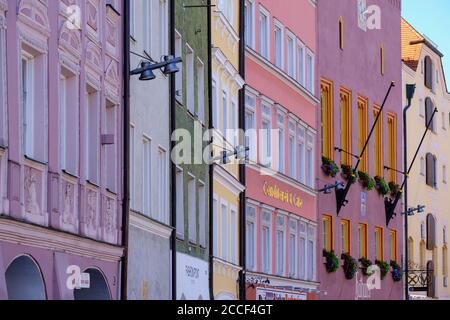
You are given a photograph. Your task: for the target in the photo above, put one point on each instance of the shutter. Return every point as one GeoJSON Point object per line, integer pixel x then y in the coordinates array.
{"type": "Point", "coordinates": [429, 109]}
{"type": "Point", "coordinates": [428, 72]}
{"type": "Point", "coordinates": [429, 173]}
{"type": "Point", "coordinates": [431, 232]}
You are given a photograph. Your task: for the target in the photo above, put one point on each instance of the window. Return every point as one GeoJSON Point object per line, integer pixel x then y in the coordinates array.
{"type": "Point", "coordinates": [216, 226]}
{"type": "Point", "coordinates": [327, 232]}
{"type": "Point", "coordinates": [190, 95]}
{"type": "Point", "coordinates": [431, 232]}
{"type": "Point", "coordinates": [250, 126]}
{"type": "Point", "coordinates": [266, 132]}
{"type": "Point", "coordinates": [227, 9]}
{"type": "Point", "coordinates": [362, 240]}
{"type": "Point", "coordinates": [301, 155]}
{"type": "Point", "coordinates": [292, 249]}
{"type": "Point", "coordinates": [162, 185]}
{"type": "Point", "coordinates": [147, 17]}
{"type": "Point", "coordinates": [110, 148]}
{"type": "Point", "coordinates": [202, 213]}
{"type": "Point", "coordinates": [302, 250]}
{"type": "Point", "coordinates": [379, 252]}
{"type": "Point", "coordinates": [180, 202]}
{"type": "Point", "coordinates": [327, 119]}
{"type": "Point", "coordinates": [224, 231]}
{"type": "Point", "coordinates": [179, 74]}
{"type": "Point", "coordinates": [264, 34]}
{"type": "Point", "coordinates": [382, 59]}
{"type": "Point", "coordinates": [163, 26]}
{"type": "Point", "coordinates": [346, 127]}
{"type": "Point", "coordinates": [291, 147]}
{"type": "Point", "coordinates": [341, 33]}
{"type": "Point", "coordinates": [69, 110]}
{"type": "Point", "coordinates": [266, 248]}
{"type": "Point", "coordinates": [345, 236]}
{"type": "Point", "coordinates": [92, 135]}
{"type": "Point", "coordinates": [444, 265]}
{"type": "Point", "coordinates": [392, 146]}
{"type": "Point", "coordinates": [310, 72]}
{"type": "Point", "coordinates": [429, 112]}
{"type": "Point", "coordinates": [133, 197]}
{"type": "Point", "coordinates": [192, 214]}
{"type": "Point", "coordinates": [34, 109]}
{"type": "Point", "coordinates": [301, 64]}
{"type": "Point", "coordinates": [146, 176]}
{"type": "Point", "coordinates": [214, 105]}
{"type": "Point", "coordinates": [233, 235]}
{"type": "Point", "coordinates": [234, 125]}
{"type": "Point", "coordinates": [280, 245]}
{"type": "Point", "coordinates": [362, 132]}
{"type": "Point", "coordinates": [428, 73]}
{"type": "Point", "coordinates": [133, 19]}
{"type": "Point", "coordinates": [249, 23]}
{"type": "Point", "coordinates": [281, 136]}
{"type": "Point", "coordinates": [393, 244]}
{"type": "Point", "coordinates": [311, 253]}
{"type": "Point", "coordinates": [224, 112]}
{"type": "Point", "coordinates": [310, 160]}
{"type": "Point", "coordinates": [291, 56]}
{"type": "Point", "coordinates": [431, 170]}
{"type": "Point", "coordinates": [250, 237]}
{"type": "Point", "coordinates": [378, 143]}
{"type": "Point", "coordinates": [201, 90]}
{"type": "Point", "coordinates": [278, 45]}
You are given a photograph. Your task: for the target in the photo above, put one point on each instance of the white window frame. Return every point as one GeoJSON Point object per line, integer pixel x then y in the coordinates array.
{"type": "Point", "coordinates": [301, 162]}
{"type": "Point", "coordinates": [133, 196]}
{"type": "Point", "coordinates": [281, 135]}
{"type": "Point", "coordinates": [133, 19]}
{"type": "Point", "coordinates": [292, 255]}
{"type": "Point", "coordinates": [200, 90]}
{"type": "Point", "coordinates": [266, 14]}
{"type": "Point", "coordinates": [202, 212]}
{"type": "Point", "coordinates": [215, 218]}
{"type": "Point", "coordinates": [92, 140]}
{"type": "Point", "coordinates": [179, 180]}
{"type": "Point", "coordinates": [250, 5]}
{"type": "Point", "coordinates": [292, 149]}
{"type": "Point", "coordinates": [251, 135]}
{"type": "Point", "coordinates": [233, 241]}
{"type": "Point", "coordinates": [278, 25]}
{"type": "Point", "coordinates": [268, 225]}
{"type": "Point", "coordinates": [266, 137]}
{"type": "Point", "coordinates": [162, 176]}
{"type": "Point", "coordinates": [190, 78]}
{"type": "Point", "coordinates": [192, 208]}
{"type": "Point", "coordinates": [280, 248]}
{"type": "Point", "coordinates": [147, 175]}
{"type": "Point", "coordinates": [311, 54]}
{"type": "Point", "coordinates": [179, 74]}
{"type": "Point", "coordinates": [163, 27]}
{"type": "Point", "coordinates": [224, 102]}
{"type": "Point", "coordinates": [215, 103]}
{"type": "Point", "coordinates": [251, 265]}
{"type": "Point", "coordinates": [146, 16]}
{"type": "Point", "coordinates": [291, 64]}
{"type": "Point", "coordinates": [224, 238]}
{"type": "Point", "coordinates": [311, 265]}
{"type": "Point", "coordinates": [301, 63]}
{"type": "Point", "coordinates": [303, 252]}
{"type": "Point", "coordinates": [310, 167]}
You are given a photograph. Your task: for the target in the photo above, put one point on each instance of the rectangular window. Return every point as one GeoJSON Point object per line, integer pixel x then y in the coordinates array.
{"type": "Point", "coordinates": [301, 155]}
{"type": "Point", "coordinates": [378, 143]}
{"type": "Point", "coordinates": [179, 74]}
{"type": "Point", "coordinates": [69, 110]}
{"type": "Point", "coordinates": [302, 250]}
{"type": "Point", "coordinates": [278, 46]}
{"type": "Point", "coordinates": [392, 146]}
{"type": "Point", "coordinates": [264, 34]}
{"type": "Point", "coordinates": [249, 27]}
{"type": "Point", "coordinates": [291, 147]}
{"type": "Point", "coordinates": [292, 249]}
{"type": "Point", "coordinates": [163, 27]}
{"type": "Point", "coordinates": [280, 245]}
{"type": "Point", "coordinates": [310, 72]}
{"type": "Point", "coordinates": [393, 244]}
{"type": "Point", "coordinates": [133, 19]}
{"type": "Point", "coordinates": [216, 226]}
{"type": "Point", "coordinates": [301, 64]}
{"type": "Point", "coordinates": [180, 202]}
{"type": "Point", "coordinates": [250, 127]}
{"type": "Point", "coordinates": [379, 250]}
{"type": "Point", "coordinates": [93, 136]}
{"type": "Point", "coordinates": [346, 127]}
{"type": "Point", "coordinates": [110, 149]}
{"type": "Point", "coordinates": [234, 124]}
{"type": "Point", "coordinates": [311, 253]}
{"type": "Point", "coordinates": [214, 105]}
{"type": "Point", "coordinates": [363, 132]}
{"type": "Point", "coordinates": [281, 153]}
{"type": "Point", "coordinates": [266, 126]}
{"type": "Point", "coordinates": [233, 235]}
{"type": "Point", "coordinates": [202, 213]}
{"type": "Point", "coordinates": [362, 240]}
{"type": "Point", "coordinates": [345, 236]}
{"type": "Point", "coordinates": [147, 15]}
{"type": "Point", "coordinates": [326, 103]}
{"type": "Point", "coordinates": [327, 232]}
{"type": "Point", "coordinates": [310, 160]}
{"type": "Point", "coordinates": [162, 185]}
{"type": "Point", "coordinates": [224, 232]}
{"type": "Point", "coordinates": [224, 112]}
{"type": "Point", "coordinates": [250, 237]}
{"type": "Point", "coordinates": [192, 212]}
{"type": "Point", "coordinates": [266, 248]}
{"type": "Point", "coordinates": [201, 90]}
{"type": "Point", "coordinates": [146, 176]}
{"type": "Point", "coordinates": [133, 197]}
{"type": "Point", "coordinates": [291, 57]}
{"type": "Point", "coordinates": [190, 95]}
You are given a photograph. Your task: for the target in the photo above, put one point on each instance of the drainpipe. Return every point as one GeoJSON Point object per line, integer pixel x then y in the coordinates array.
{"type": "Point", "coordinates": [211, 166]}
{"type": "Point", "coordinates": [242, 239]}
{"type": "Point", "coordinates": [410, 88]}
{"type": "Point", "coordinates": [126, 148]}
{"type": "Point", "coordinates": [173, 170]}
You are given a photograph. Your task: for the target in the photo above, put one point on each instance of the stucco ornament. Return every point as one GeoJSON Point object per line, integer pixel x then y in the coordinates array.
{"type": "Point", "coordinates": [31, 198]}
{"type": "Point", "coordinates": [68, 204]}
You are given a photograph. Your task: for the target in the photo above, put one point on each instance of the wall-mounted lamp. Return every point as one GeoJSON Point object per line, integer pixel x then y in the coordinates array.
{"type": "Point", "coordinates": [168, 65]}
{"type": "Point", "coordinates": [339, 185]}
{"type": "Point", "coordinates": [411, 211]}
{"type": "Point", "coordinates": [240, 153]}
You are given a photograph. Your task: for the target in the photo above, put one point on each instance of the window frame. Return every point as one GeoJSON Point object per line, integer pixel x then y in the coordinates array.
{"type": "Point", "coordinates": [327, 232]}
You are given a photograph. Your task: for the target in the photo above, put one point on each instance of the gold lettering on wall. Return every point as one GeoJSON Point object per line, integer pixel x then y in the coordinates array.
{"type": "Point", "coordinates": [274, 192]}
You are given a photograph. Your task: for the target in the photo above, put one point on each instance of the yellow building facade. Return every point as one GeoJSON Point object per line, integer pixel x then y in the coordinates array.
{"type": "Point", "coordinates": [428, 183]}
{"type": "Point", "coordinates": [226, 84]}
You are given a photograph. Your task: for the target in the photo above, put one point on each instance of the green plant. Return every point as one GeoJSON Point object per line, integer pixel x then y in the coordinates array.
{"type": "Point", "coordinates": [397, 272]}
{"type": "Point", "coordinates": [395, 189]}
{"type": "Point", "coordinates": [365, 264]}
{"type": "Point", "coordinates": [367, 181]}
{"type": "Point", "coordinates": [350, 266]}
{"type": "Point", "coordinates": [329, 167]}
{"type": "Point", "coordinates": [348, 173]}
{"type": "Point", "coordinates": [384, 268]}
{"type": "Point", "coordinates": [382, 186]}
{"type": "Point", "coordinates": [331, 261]}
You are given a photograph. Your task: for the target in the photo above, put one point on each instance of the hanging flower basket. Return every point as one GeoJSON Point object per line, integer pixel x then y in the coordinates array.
{"type": "Point", "coordinates": [367, 181]}
{"type": "Point", "coordinates": [384, 268]}
{"type": "Point", "coordinates": [350, 266]}
{"type": "Point", "coordinates": [329, 167]}
{"type": "Point", "coordinates": [348, 173]}
{"type": "Point", "coordinates": [382, 186]}
{"type": "Point", "coordinates": [365, 264]}
{"type": "Point", "coordinates": [397, 272]}
{"type": "Point", "coordinates": [331, 261]}
{"type": "Point", "coordinates": [395, 189]}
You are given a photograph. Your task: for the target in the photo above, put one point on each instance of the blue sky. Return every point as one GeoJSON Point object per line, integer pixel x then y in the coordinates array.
{"type": "Point", "coordinates": [431, 18]}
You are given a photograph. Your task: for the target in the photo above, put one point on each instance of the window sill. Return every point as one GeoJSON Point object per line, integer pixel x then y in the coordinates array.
{"type": "Point", "coordinates": [93, 184]}
{"type": "Point", "coordinates": [64, 171]}
{"type": "Point", "coordinates": [43, 163]}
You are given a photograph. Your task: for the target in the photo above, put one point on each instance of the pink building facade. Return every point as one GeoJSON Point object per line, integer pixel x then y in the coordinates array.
{"type": "Point", "coordinates": [280, 106]}
{"type": "Point", "coordinates": [60, 154]}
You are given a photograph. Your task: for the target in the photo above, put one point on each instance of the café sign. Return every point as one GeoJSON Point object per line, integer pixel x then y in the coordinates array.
{"type": "Point", "coordinates": [275, 192]}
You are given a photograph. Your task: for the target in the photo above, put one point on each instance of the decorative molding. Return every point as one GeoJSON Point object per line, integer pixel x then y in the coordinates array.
{"type": "Point", "coordinates": [223, 177]}
{"type": "Point", "coordinates": [148, 225]}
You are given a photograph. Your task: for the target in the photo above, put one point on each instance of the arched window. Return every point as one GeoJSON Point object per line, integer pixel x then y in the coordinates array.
{"type": "Point", "coordinates": [428, 72]}
{"type": "Point", "coordinates": [24, 280]}
{"type": "Point", "coordinates": [431, 170]}
{"type": "Point", "coordinates": [98, 289]}
{"type": "Point", "coordinates": [431, 232]}
{"type": "Point", "coordinates": [429, 110]}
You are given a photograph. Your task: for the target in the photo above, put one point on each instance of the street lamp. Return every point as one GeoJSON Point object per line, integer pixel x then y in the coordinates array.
{"type": "Point", "coordinates": [168, 66]}
{"type": "Point", "coordinates": [411, 211]}
{"type": "Point", "coordinates": [339, 185]}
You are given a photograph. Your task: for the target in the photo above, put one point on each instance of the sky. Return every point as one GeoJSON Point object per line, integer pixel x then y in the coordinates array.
{"type": "Point", "coordinates": [431, 18]}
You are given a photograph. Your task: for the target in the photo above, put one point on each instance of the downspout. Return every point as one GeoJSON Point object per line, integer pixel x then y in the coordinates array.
{"type": "Point", "coordinates": [242, 238]}
{"type": "Point", "coordinates": [173, 170]}
{"type": "Point", "coordinates": [211, 166]}
{"type": "Point", "coordinates": [126, 148]}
